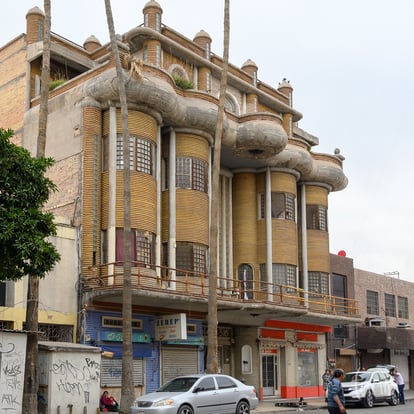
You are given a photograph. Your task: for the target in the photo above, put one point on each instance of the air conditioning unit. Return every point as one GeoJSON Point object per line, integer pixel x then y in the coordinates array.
{"type": "Point", "coordinates": [374, 322]}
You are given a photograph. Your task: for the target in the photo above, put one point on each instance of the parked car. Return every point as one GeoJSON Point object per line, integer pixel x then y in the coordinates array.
{"type": "Point", "coordinates": [199, 394]}
{"type": "Point", "coordinates": [369, 387]}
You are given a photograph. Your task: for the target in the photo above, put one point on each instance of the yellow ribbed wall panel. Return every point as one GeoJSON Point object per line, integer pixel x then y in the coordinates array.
{"type": "Point", "coordinates": [244, 218]}
{"type": "Point", "coordinates": [284, 244]}
{"type": "Point", "coordinates": [192, 212]}
{"type": "Point", "coordinates": [138, 124]}
{"type": "Point", "coordinates": [202, 78]}
{"type": "Point", "coordinates": [143, 201]}
{"type": "Point", "coordinates": [92, 131]}
{"type": "Point", "coordinates": [105, 199]}
{"type": "Point", "coordinates": [318, 251]}
{"type": "Point", "coordinates": [165, 215]}
{"type": "Point", "coordinates": [261, 183]}
{"type": "Point", "coordinates": [316, 195]}
{"type": "Point", "coordinates": [189, 145]}
{"type": "Point", "coordinates": [283, 182]}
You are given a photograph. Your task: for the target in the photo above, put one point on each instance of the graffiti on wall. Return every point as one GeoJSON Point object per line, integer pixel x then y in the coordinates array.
{"type": "Point", "coordinates": [75, 376]}
{"type": "Point", "coordinates": [12, 363]}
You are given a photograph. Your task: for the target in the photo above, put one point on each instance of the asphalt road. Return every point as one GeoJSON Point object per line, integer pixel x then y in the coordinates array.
{"type": "Point", "coordinates": [407, 408]}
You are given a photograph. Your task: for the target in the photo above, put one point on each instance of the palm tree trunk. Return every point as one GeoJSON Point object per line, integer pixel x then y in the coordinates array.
{"type": "Point", "coordinates": [127, 389]}
{"type": "Point", "coordinates": [212, 360]}
{"type": "Point", "coordinates": [31, 383]}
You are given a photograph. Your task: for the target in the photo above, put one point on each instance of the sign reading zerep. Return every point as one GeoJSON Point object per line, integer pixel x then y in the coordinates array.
{"type": "Point", "coordinates": [171, 327]}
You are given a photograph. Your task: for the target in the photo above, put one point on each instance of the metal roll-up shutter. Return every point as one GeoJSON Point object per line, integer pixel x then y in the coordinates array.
{"type": "Point", "coordinates": [111, 372]}
{"type": "Point", "coordinates": [178, 361]}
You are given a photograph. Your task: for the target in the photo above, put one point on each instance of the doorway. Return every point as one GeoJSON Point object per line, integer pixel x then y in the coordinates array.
{"type": "Point", "coordinates": [269, 375]}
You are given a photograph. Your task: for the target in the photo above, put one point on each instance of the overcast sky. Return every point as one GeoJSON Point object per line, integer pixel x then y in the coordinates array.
{"type": "Point", "coordinates": [350, 63]}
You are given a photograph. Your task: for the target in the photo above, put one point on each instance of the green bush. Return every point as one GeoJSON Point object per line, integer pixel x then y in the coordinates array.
{"type": "Point", "coordinates": [183, 83]}
{"type": "Point", "coordinates": [55, 83]}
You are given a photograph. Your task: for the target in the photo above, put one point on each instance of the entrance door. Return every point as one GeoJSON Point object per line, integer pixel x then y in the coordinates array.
{"type": "Point", "coordinates": [269, 375]}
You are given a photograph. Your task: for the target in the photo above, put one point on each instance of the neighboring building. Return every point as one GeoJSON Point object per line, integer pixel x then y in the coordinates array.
{"type": "Point", "coordinates": [341, 342]}
{"type": "Point", "coordinates": [387, 307]}
{"type": "Point", "coordinates": [385, 334]}
{"type": "Point", "coordinates": [276, 288]}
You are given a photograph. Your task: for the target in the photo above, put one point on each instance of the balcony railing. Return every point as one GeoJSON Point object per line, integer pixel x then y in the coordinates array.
{"type": "Point", "coordinates": [182, 282]}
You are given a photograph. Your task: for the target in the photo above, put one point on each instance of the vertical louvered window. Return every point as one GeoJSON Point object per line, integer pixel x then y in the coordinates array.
{"type": "Point", "coordinates": [317, 217]}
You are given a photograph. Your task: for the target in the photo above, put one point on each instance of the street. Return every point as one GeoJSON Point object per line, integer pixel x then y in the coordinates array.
{"type": "Point", "coordinates": [407, 408]}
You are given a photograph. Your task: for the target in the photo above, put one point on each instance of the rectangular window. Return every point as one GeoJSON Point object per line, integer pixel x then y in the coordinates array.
{"type": "Point", "coordinates": [191, 173]}
{"type": "Point", "coordinates": [403, 307]}
{"type": "Point", "coordinates": [340, 332]}
{"type": "Point", "coordinates": [283, 274]}
{"type": "Point", "coordinates": [372, 303]}
{"type": "Point", "coordinates": [191, 257]}
{"type": "Point", "coordinates": [316, 217]}
{"type": "Point", "coordinates": [307, 367]}
{"type": "Point", "coordinates": [145, 156]}
{"type": "Point", "coordinates": [282, 206]}
{"type": "Point", "coordinates": [318, 282]}
{"type": "Point", "coordinates": [183, 172]}
{"type": "Point", "coordinates": [389, 305]}
{"type": "Point", "coordinates": [142, 246]}
{"type": "Point", "coordinates": [141, 154]}
{"type": "Point", "coordinates": [114, 322]}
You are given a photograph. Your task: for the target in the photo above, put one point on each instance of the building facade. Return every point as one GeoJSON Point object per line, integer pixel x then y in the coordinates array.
{"type": "Point", "coordinates": [387, 309]}
{"type": "Point", "coordinates": [275, 292]}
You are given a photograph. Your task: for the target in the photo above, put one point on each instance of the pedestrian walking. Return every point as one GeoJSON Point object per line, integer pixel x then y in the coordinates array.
{"type": "Point", "coordinates": [399, 379]}
{"type": "Point", "coordinates": [336, 398]}
{"type": "Point", "coordinates": [326, 378]}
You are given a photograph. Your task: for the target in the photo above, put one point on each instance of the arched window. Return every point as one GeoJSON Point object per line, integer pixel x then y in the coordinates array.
{"type": "Point", "coordinates": [231, 104]}
{"type": "Point", "coordinates": [245, 277]}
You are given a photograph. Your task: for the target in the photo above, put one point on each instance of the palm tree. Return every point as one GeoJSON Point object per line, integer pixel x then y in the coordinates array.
{"type": "Point", "coordinates": [31, 383]}
{"type": "Point", "coordinates": [127, 389]}
{"type": "Point", "coordinates": [212, 360]}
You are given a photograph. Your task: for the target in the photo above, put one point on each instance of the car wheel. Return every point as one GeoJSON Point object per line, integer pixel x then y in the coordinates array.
{"type": "Point", "coordinates": [394, 398]}
{"type": "Point", "coordinates": [243, 407]}
{"type": "Point", "coordinates": [369, 399]}
{"type": "Point", "coordinates": [185, 409]}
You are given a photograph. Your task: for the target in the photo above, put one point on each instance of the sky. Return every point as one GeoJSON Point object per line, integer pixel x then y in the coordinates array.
{"type": "Point", "coordinates": [350, 63]}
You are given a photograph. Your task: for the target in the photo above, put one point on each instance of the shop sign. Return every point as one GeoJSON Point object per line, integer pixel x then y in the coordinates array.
{"type": "Point", "coordinates": [194, 340]}
{"type": "Point", "coordinates": [116, 336]}
{"type": "Point", "coordinates": [171, 327]}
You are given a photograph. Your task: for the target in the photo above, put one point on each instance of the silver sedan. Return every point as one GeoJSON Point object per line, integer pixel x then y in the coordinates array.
{"type": "Point", "coordinates": [199, 394]}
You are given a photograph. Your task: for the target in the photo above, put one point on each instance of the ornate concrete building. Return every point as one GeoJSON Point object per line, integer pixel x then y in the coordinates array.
{"type": "Point", "coordinates": [275, 301]}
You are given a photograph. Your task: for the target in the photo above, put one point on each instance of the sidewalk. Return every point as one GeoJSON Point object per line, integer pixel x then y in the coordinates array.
{"type": "Point", "coordinates": [280, 405]}
{"type": "Point", "coordinates": [313, 405]}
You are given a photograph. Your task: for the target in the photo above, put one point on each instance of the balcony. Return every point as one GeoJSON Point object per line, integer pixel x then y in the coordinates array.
{"type": "Point", "coordinates": [180, 289]}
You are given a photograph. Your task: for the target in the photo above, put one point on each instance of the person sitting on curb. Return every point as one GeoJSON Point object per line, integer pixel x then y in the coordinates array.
{"type": "Point", "coordinates": [107, 402]}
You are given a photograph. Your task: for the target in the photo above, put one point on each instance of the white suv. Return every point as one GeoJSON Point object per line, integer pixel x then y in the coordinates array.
{"type": "Point", "coordinates": [369, 387]}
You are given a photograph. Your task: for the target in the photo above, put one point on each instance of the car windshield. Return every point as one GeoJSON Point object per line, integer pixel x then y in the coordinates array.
{"type": "Point", "coordinates": [357, 377]}
{"type": "Point", "coordinates": [182, 384]}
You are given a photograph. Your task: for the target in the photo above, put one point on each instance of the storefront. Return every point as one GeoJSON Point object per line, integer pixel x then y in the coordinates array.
{"type": "Point", "coordinates": [292, 359]}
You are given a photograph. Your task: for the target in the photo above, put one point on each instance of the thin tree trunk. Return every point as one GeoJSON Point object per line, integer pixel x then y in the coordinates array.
{"type": "Point", "coordinates": [127, 388]}
{"type": "Point", "coordinates": [31, 382]}
{"type": "Point", "coordinates": [212, 360]}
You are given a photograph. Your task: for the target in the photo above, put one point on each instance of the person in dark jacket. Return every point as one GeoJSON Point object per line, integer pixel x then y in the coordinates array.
{"type": "Point", "coordinates": [336, 398]}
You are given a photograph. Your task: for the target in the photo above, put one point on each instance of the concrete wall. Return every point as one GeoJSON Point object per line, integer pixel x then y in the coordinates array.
{"type": "Point", "coordinates": [69, 375]}
{"type": "Point", "coordinates": [12, 364]}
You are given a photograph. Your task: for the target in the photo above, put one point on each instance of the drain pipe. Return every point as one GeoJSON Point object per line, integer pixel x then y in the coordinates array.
{"type": "Point", "coordinates": [304, 245]}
